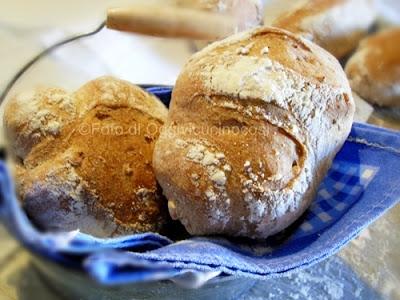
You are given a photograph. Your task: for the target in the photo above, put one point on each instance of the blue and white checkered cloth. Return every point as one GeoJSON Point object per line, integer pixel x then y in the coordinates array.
{"type": "Point", "coordinates": [362, 184]}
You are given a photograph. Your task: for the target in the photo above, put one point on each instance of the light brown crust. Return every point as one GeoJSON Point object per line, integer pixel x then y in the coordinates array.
{"type": "Point", "coordinates": [254, 123]}
{"type": "Point", "coordinates": [248, 13]}
{"type": "Point", "coordinates": [383, 59]}
{"type": "Point", "coordinates": [374, 70]}
{"type": "Point", "coordinates": [335, 25]}
{"type": "Point", "coordinates": [290, 21]}
{"type": "Point", "coordinates": [94, 172]}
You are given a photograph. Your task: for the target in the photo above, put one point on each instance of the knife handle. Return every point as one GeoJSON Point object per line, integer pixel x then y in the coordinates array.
{"type": "Point", "coordinates": [171, 21]}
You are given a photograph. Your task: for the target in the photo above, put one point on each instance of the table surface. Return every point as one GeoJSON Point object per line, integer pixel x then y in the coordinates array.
{"type": "Point", "coordinates": [367, 268]}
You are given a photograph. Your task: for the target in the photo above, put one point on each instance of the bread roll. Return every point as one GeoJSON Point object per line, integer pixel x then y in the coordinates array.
{"type": "Point", "coordinates": [254, 123]}
{"type": "Point", "coordinates": [248, 13]}
{"type": "Point", "coordinates": [336, 25]}
{"type": "Point", "coordinates": [374, 70]}
{"type": "Point", "coordinates": [84, 159]}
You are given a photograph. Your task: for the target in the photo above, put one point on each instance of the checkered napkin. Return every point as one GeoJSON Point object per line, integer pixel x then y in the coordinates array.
{"type": "Point", "coordinates": [363, 182]}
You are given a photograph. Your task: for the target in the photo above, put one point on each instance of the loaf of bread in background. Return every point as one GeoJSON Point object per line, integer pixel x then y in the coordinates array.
{"type": "Point", "coordinates": [254, 123]}
{"type": "Point", "coordinates": [248, 13]}
{"type": "Point", "coordinates": [374, 69]}
{"type": "Point", "coordinates": [83, 159]}
{"type": "Point", "coordinates": [335, 25]}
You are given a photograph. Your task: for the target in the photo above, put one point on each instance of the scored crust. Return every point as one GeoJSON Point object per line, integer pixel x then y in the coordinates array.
{"type": "Point", "coordinates": [374, 69]}
{"type": "Point", "coordinates": [84, 159]}
{"type": "Point", "coordinates": [254, 123]}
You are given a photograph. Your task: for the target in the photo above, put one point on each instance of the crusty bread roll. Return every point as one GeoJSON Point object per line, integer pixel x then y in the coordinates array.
{"type": "Point", "coordinates": [336, 25]}
{"type": "Point", "coordinates": [248, 13]}
{"type": "Point", "coordinates": [254, 123]}
{"type": "Point", "coordinates": [84, 159]}
{"type": "Point", "coordinates": [374, 70]}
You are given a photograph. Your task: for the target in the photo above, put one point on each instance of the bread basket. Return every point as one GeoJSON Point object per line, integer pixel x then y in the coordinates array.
{"type": "Point", "coordinates": [357, 190]}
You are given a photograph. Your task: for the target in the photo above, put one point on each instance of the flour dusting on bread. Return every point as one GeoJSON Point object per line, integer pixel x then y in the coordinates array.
{"type": "Point", "coordinates": [84, 158]}
{"type": "Point", "coordinates": [278, 116]}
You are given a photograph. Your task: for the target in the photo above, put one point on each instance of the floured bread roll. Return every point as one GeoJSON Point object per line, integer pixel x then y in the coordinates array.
{"type": "Point", "coordinates": [249, 13]}
{"type": "Point", "coordinates": [254, 123]}
{"type": "Point", "coordinates": [336, 25]}
{"type": "Point", "coordinates": [374, 70]}
{"type": "Point", "coordinates": [83, 159]}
